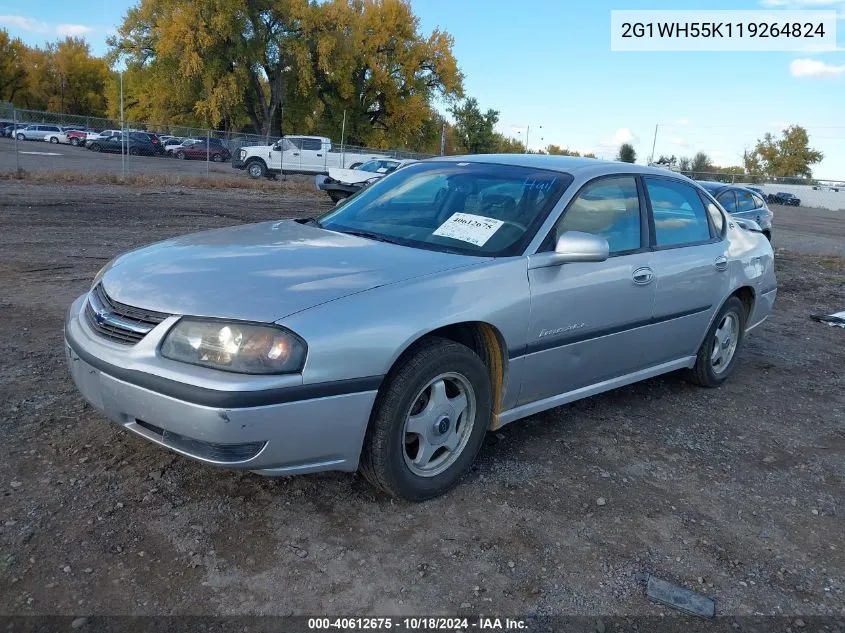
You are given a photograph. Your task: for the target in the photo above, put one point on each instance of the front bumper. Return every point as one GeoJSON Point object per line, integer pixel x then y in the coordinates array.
{"type": "Point", "coordinates": [297, 434]}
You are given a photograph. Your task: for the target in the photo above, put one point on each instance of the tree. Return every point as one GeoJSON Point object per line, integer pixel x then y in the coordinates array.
{"type": "Point", "coordinates": [701, 164]}
{"type": "Point", "coordinates": [627, 154]}
{"type": "Point", "coordinates": [685, 163]}
{"type": "Point", "coordinates": [474, 129]}
{"type": "Point", "coordinates": [788, 156]}
{"type": "Point", "coordinates": [13, 79]}
{"type": "Point", "coordinates": [308, 61]}
{"type": "Point", "coordinates": [667, 160]}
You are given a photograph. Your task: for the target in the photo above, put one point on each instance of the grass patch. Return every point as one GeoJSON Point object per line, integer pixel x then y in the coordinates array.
{"type": "Point", "coordinates": [298, 186]}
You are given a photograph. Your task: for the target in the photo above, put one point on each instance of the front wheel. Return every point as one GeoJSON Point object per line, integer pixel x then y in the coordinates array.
{"type": "Point", "coordinates": [256, 169]}
{"type": "Point", "coordinates": [217, 158]}
{"type": "Point", "coordinates": [54, 140]}
{"type": "Point", "coordinates": [94, 147]}
{"type": "Point", "coordinates": [74, 142]}
{"type": "Point", "coordinates": [134, 151]}
{"type": "Point", "coordinates": [717, 356]}
{"type": "Point", "coordinates": [20, 137]}
{"type": "Point", "coordinates": [428, 422]}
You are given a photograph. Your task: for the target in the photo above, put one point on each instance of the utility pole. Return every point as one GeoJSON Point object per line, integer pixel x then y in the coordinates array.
{"type": "Point", "coordinates": [443, 140]}
{"type": "Point", "coordinates": [527, 130]}
{"type": "Point", "coordinates": [654, 144]}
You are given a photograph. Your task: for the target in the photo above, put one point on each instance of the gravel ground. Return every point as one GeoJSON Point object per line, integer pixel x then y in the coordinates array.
{"type": "Point", "coordinates": [736, 492]}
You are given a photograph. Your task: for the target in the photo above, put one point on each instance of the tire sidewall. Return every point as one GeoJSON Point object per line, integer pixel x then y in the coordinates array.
{"type": "Point", "coordinates": [413, 486]}
{"type": "Point", "coordinates": [735, 305]}
{"type": "Point", "coordinates": [255, 165]}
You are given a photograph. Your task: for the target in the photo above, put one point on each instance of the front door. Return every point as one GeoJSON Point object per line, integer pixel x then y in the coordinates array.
{"type": "Point", "coordinates": [587, 318]}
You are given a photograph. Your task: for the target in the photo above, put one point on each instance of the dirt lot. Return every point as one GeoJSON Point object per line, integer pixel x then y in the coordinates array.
{"type": "Point", "coordinates": [736, 492]}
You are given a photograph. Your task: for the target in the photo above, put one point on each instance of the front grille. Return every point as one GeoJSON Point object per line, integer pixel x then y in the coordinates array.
{"type": "Point", "coordinates": [117, 321]}
{"type": "Point", "coordinates": [224, 453]}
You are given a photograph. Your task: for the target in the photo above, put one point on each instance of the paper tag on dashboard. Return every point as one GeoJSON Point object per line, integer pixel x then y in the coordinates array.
{"type": "Point", "coordinates": [466, 227]}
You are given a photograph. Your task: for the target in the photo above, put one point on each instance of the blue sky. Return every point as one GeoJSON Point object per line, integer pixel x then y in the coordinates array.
{"type": "Point", "coordinates": [547, 65]}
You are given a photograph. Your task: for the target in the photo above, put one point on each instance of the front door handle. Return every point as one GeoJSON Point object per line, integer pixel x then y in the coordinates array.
{"type": "Point", "coordinates": [643, 276]}
{"type": "Point", "coordinates": [319, 155]}
{"type": "Point", "coordinates": [296, 153]}
{"type": "Point", "coordinates": [721, 263]}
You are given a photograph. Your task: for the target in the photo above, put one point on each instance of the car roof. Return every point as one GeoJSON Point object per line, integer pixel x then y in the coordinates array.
{"type": "Point", "coordinates": [577, 166]}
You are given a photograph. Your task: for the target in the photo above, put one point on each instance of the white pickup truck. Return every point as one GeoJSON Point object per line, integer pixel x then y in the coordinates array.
{"type": "Point", "coordinates": [295, 155]}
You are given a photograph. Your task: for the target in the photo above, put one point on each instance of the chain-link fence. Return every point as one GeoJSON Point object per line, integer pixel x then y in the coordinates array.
{"type": "Point", "coordinates": [38, 141]}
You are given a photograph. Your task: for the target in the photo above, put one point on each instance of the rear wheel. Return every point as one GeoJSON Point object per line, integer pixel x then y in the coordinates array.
{"type": "Point", "coordinates": [217, 158]}
{"type": "Point", "coordinates": [94, 147]}
{"type": "Point", "coordinates": [181, 155]}
{"type": "Point", "coordinates": [429, 421]}
{"type": "Point", "coordinates": [20, 137]}
{"type": "Point", "coordinates": [74, 141]}
{"type": "Point", "coordinates": [717, 356]}
{"type": "Point", "coordinates": [134, 151]}
{"type": "Point", "coordinates": [54, 140]}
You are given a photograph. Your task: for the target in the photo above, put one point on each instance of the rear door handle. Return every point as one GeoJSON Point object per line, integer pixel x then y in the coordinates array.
{"type": "Point", "coordinates": [319, 154]}
{"type": "Point", "coordinates": [296, 153]}
{"type": "Point", "coordinates": [721, 263]}
{"type": "Point", "coordinates": [643, 276]}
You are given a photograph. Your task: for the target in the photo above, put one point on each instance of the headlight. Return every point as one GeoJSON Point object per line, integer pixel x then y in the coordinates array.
{"type": "Point", "coordinates": [237, 347]}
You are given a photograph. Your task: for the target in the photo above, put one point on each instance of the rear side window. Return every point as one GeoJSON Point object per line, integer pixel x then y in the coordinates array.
{"type": "Point", "coordinates": [728, 200]}
{"type": "Point", "coordinates": [609, 207]}
{"type": "Point", "coordinates": [312, 143]}
{"type": "Point", "coordinates": [759, 203]}
{"type": "Point", "coordinates": [744, 201]}
{"type": "Point", "coordinates": [679, 215]}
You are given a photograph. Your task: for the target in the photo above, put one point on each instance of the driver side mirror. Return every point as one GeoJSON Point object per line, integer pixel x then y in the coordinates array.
{"type": "Point", "coordinates": [572, 247]}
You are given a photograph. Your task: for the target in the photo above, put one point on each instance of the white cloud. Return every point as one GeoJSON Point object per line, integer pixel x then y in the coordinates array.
{"type": "Point", "coordinates": [814, 68]}
{"type": "Point", "coordinates": [24, 23]}
{"type": "Point", "coordinates": [682, 121]}
{"type": "Point", "coordinates": [73, 30]}
{"type": "Point", "coordinates": [623, 135]}
{"type": "Point", "coordinates": [678, 141]}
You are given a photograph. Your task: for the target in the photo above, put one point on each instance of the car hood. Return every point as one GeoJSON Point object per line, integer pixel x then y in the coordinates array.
{"type": "Point", "coordinates": [263, 272]}
{"type": "Point", "coordinates": [353, 176]}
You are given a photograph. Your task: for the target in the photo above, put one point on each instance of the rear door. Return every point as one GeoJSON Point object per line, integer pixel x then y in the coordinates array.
{"type": "Point", "coordinates": [587, 318]}
{"type": "Point", "coordinates": [690, 262]}
{"type": "Point", "coordinates": [313, 157]}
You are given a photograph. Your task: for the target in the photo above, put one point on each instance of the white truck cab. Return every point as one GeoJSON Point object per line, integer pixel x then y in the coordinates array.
{"type": "Point", "coordinates": [295, 155]}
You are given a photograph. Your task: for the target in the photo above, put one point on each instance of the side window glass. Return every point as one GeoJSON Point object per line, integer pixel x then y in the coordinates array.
{"type": "Point", "coordinates": [716, 217]}
{"type": "Point", "coordinates": [609, 207]}
{"type": "Point", "coordinates": [728, 201]}
{"type": "Point", "coordinates": [744, 201]}
{"type": "Point", "coordinates": [679, 214]}
{"type": "Point", "coordinates": [759, 203]}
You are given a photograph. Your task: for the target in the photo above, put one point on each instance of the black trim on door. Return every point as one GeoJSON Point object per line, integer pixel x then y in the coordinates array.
{"type": "Point", "coordinates": [541, 345]}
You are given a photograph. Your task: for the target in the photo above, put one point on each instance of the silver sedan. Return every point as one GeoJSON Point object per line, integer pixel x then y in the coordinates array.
{"type": "Point", "coordinates": [452, 297]}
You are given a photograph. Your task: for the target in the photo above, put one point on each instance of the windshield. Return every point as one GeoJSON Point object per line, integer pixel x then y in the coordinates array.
{"type": "Point", "coordinates": [378, 166]}
{"type": "Point", "coordinates": [461, 207]}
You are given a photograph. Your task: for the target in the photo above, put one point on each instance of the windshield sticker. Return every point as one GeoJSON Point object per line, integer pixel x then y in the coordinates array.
{"type": "Point", "coordinates": [466, 227]}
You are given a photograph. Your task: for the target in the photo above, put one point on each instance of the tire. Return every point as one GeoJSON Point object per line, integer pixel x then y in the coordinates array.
{"type": "Point", "coordinates": [54, 140]}
{"type": "Point", "coordinates": [181, 155]}
{"type": "Point", "coordinates": [406, 464]}
{"type": "Point", "coordinates": [74, 141]}
{"type": "Point", "coordinates": [134, 151]}
{"type": "Point", "coordinates": [335, 196]}
{"type": "Point", "coordinates": [20, 137]}
{"type": "Point", "coordinates": [94, 147]}
{"type": "Point", "coordinates": [256, 169]}
{"type": "Point", "coordinates": [217, 158]}
{"type": "Point", "coordinates": [708, 372]}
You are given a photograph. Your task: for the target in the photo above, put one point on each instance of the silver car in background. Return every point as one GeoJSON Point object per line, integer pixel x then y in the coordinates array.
{"type": "Point", "coordinates": [452, 297]}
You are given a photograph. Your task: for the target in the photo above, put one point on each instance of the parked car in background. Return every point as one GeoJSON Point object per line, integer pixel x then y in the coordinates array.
{"type": "Point", "coordinates": [11, 130]}
{"type": "Point", "coordinates": [741, 202]}
{"type": "Point", "coordinates": [757, 190]}
{"type": "Point", "coordinates": [157, 147]}
{"type": "Point", "coordinates": [173, 148]}
{"type": "Point", "coordinates": [200, 149]}
{"type": "Point", "coordinates": [93, 135]}
{"type": "Point", "coordinates": [342, 183]}
{"type": "Point", "coordinates": [134, 143]}
{"type": "Point", "coordinates": [296, 155]}
{"type": "Point", "coordinates": [65, 135]}
{"type": "Point", "coordinates": [76, 137]}
{"type": "Point", "coordinates": [451, 297]}
{"type": "Point", "coordinates": [36, 132]}
{"type": "Point", "coordinates": [784, 197]}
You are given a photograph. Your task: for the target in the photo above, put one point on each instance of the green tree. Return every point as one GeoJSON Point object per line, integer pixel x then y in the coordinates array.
{"type": "Point", "coordinates": [788, 156]}
{"type": "Point", "coordinates": [627, 154]}
{"type": "Point", "coordinates": [474, 129]}
{"type": "Point", "coordinates": [701, 164]}
{"type": "Point", "coordinates": [13, 79]}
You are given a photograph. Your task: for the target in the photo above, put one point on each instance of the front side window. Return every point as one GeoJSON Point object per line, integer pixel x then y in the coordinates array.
{"type": "Point", "coordinates": [609, 207]}
{"type": "Point", "coordinates": [744, 201]}
{"type": "Point", "coordinates": [461, 207]}
{"type": "Point", "coordinates": [679, 214]}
